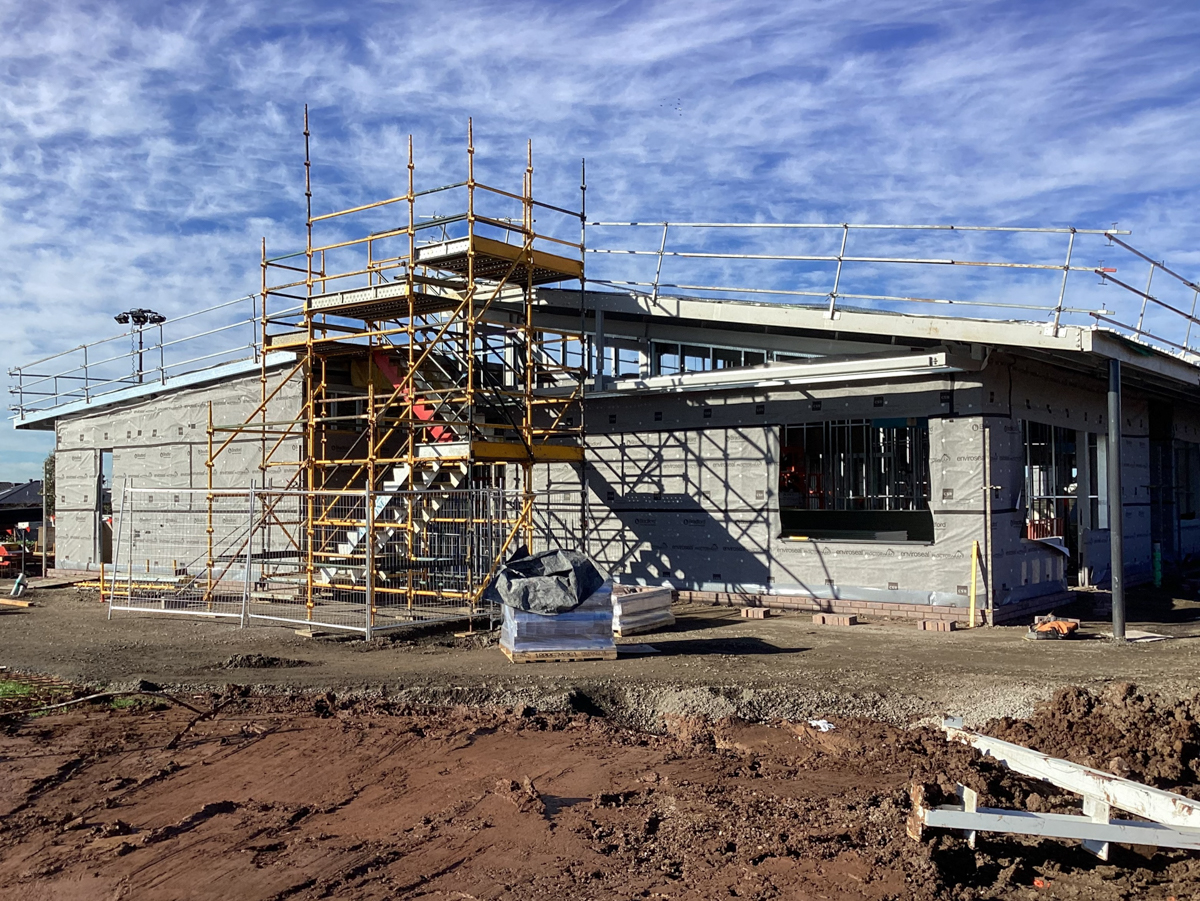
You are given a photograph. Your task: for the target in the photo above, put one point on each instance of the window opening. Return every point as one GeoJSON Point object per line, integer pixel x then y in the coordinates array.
{"type": "Point", "coordinates": [696, 358]}
{"type": "Point", "coordinates": [726, 358]}
{"type": "Point", "coordinates": [856, 479]}
{"type": "Point", "coordinates": [666, 359]}
{"type": "Point", "coordinates": [628, 363]}
{"type": "Point", "coordinates": [1187, 479]}
{"type": "Point", "coordinates": [670, 358]}
{"type": "Point", "coordinates": [1097, 482]}
{"type": "Point", "coordinates": [1051, 480]}
{"type": "Point", "coordinates": [104, 507]}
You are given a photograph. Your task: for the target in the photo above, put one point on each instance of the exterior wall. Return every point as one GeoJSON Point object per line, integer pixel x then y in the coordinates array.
{"type": "Point", "coordinates": [161, 442]}
{"type": "Point", "coordinates": [76, 484]}
{"type": "Point", "coordinates": [683, 491]}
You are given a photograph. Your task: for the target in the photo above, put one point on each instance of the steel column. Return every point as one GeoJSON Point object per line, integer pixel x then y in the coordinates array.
{"type": "Point", "coordinates": [1116, 506]}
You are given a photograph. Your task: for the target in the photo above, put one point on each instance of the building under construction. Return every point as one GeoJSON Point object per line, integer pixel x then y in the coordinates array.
{"type": "Point", "coordinates": [417, 394]}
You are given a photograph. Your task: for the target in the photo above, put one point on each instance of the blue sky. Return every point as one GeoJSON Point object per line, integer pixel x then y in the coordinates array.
{"type": "Point", "coordinates": [146, 147]}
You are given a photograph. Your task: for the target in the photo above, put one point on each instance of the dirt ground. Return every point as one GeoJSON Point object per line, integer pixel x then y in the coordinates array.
{"type": "Point", "coordinates": [429, 766]}
{"type": "Point", "coordinates": [712, 663]}
{"type": "Point", "coordinates": [273, 798]}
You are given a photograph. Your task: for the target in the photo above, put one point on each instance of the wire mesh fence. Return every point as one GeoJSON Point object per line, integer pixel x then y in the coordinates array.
{"type": "Point", "coordinates": [363, 562]}
{"type": "Point", "coordinates": [179, 551]}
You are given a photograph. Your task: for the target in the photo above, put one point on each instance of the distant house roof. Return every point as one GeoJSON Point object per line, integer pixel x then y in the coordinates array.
{"type": "Point", "coordinates": [26, 495]}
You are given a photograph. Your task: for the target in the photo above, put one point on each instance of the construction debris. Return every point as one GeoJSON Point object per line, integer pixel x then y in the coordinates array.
{"type": "Point", "coordinates": [1174, 820]}
{"type": "Point", "coordinates": [1142, 635]}
{"type": "Point", "coordinates": [756, 612]}
{"type": "Point", "coordinates": [1052, 627]}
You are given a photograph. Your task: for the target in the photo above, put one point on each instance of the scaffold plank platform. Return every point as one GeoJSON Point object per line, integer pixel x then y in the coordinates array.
{"type": "Point", "coordinates": [513, 452]}
{"type": "Point", "coordinates": [383, 302]}
{"type": "Point", "coordinates": [497, 261]}
{"type": "Point", "coordinates": [323, 346]}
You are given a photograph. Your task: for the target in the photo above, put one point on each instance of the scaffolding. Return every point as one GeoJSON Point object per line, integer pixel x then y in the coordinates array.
{"type": "Point", "coordinates": [426, 381]}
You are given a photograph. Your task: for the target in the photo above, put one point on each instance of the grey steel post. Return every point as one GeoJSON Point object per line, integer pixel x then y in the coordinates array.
{"type": "Point", "coordinates": [599, 348]}
{"type": "Point", "coordinates": [658, 271]}
{"type": "Point", "coordinates": [583, 510]}
{"type": "Point", "coordinates": [1146, 297]}
{"type": "Point", "coordinates": [990, 595]}
{"type": "Point", "coordinates": [1187, 341]}
{"type": "Point", "coordinates": [248, 581]}
{"type": "Point", "coordinates": [1062, 291]}
{"type": "Point", "coordinates": [837, 276]}
{"type": "Point", "coordinates": [1116, 506]}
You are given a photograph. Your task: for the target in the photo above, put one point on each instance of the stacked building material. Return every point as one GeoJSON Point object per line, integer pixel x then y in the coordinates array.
{"type": "Point", "coordinates": [582, 633]}
{"type": "Point", "coordinates": [556, 606]}
{"type": "Point", "coordinates": [640, 609]}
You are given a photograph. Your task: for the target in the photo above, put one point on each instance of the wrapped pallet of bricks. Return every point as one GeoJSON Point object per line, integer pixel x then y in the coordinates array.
{"type": "Point", "coordinates": [555, 605]}
{"type": "Point", "coordinates": [637, 610]}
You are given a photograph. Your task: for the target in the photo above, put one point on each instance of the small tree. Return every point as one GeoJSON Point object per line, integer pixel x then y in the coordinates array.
{"type": "Point", "coordinates": [48, 482]}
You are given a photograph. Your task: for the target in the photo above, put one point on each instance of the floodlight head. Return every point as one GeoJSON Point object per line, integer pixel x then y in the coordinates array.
{"type": "Point", "coordinates": [122, 318]}
{"type": "Point", "coordinates": [143, 316]}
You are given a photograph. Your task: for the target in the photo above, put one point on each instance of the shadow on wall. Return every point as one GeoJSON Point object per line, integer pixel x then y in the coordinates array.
{"type": "Point", "coordinates": [685, 508]}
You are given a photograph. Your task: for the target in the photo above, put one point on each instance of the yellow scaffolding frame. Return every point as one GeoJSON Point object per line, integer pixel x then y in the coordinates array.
{"type": "Point", "coordinates": [405, 385]}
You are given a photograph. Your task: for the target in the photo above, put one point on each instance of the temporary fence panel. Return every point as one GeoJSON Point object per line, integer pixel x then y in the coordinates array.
{"type": "Point", "coordinates": [363, 562]}
{"type": "Point", "coordinates": [179, 551]}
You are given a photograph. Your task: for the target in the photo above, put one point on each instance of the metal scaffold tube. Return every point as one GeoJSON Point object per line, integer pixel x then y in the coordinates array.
{"type": "Point", "coordinates": [430, 400]}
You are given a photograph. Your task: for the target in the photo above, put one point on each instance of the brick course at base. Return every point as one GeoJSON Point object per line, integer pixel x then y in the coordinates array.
{"type": "Point", "coordinates": [1010, 613]}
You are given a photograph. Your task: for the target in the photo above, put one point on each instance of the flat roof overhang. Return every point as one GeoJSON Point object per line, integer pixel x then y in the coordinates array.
{"type": "Point", "coordinates": [1080, 347]}
{"type": "Point", "coordinates": [44, 420]}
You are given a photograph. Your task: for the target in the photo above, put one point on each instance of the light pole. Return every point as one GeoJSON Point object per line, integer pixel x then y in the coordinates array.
{"type": "Point", "coordinates": [141, 318]}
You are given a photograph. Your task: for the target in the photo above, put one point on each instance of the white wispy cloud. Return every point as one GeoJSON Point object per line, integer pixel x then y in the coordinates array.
{"type": "Point", "coordinates": [145, 148]}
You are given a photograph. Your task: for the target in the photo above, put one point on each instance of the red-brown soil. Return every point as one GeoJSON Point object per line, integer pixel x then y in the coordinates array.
{"type": "Point", "coordinates": [277, 797]}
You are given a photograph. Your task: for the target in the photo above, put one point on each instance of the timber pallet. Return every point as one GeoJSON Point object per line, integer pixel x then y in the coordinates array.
{"type": "Point", "coordinates": [557, 656]}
